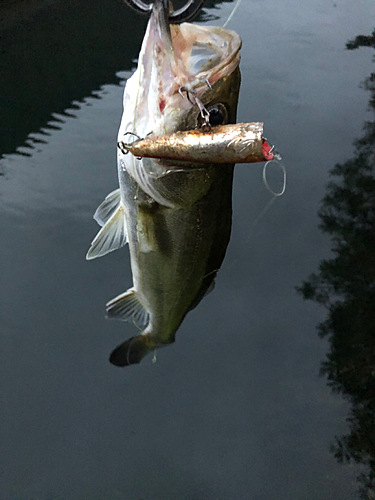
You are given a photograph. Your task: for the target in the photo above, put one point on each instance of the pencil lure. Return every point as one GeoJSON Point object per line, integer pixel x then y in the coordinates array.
{"type": "Point", "coordinates": [238, 143]}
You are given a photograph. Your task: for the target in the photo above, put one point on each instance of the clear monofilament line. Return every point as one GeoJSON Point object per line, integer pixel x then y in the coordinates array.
{"type": "Point", "coordinates": [275, 194]}
{"type": "Point", "coordinates": [232, 13]}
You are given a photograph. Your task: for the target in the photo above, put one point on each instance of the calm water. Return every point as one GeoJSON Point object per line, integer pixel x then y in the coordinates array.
{"type": "Point", "coordinates": [236, 408]}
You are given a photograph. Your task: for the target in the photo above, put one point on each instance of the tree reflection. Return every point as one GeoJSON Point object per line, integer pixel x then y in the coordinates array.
{"type": "Point", "coordinates": [345, 285]}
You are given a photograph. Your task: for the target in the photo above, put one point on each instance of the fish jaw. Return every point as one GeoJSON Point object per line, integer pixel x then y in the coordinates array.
{"type": "Point", "coordinates": [147, 90]}
{"type": "Point", "coordinates": [174, 57]}
{"type": "Point", "coordinates": [171, 57]}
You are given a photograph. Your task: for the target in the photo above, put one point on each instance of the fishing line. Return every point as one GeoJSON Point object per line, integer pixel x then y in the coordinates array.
{"type": "Point", "coordinates": [279, 164]}
{"type": "Point", "coordinates": [274, 193]}
{"type": "Point", "coordinates": [134, 321]}
{"type": "Point", "coordinates": [232, 13]}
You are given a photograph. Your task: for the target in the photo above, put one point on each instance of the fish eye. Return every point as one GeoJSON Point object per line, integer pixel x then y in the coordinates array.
{"type": "Point", "coordinates": [218, 115]}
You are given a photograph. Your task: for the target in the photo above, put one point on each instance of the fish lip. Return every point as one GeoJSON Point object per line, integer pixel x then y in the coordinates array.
{"type": "Point", "coordinates": [161, 36]}
{"type": "Point", "coordinates": [160, 16]}
{"type": "Point", "coordinates": [164, 32]}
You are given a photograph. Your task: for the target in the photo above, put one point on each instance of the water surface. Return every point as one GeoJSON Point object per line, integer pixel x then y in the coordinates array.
{"type": "Point", "coordinates": [235, 408]}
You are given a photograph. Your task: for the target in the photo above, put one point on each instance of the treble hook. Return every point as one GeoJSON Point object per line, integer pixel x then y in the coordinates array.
{"type": "Point", "coordinates": [123, 146]}
{"type": "Point", "coordinates": [191, 93]}
{"type": "Point", "coordinates": [178, 16]}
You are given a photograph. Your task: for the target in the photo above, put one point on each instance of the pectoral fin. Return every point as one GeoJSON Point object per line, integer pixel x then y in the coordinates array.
{"type": "Point", "coordinates": [113, 235]}
{"type": "Point", "coordinates": [127, 307]}
{"type": "Point", "coordinates": [108, 207]}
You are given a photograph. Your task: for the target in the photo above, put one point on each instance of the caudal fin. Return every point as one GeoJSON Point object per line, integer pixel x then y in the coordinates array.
{"type": "Point", "coordinates": [132, 351]}
{"type": "Point", "coordinates": [135, 349]}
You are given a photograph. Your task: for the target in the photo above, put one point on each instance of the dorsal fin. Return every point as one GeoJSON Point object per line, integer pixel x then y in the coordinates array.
{"type": "Point", "coordinates": [113, 235]}
{"type": "Point", "coordinates": [108, 207]}
{"type": "Point", "coordinates": [210, 288]}
{"type": "Point", "coordinates": [128, 307]}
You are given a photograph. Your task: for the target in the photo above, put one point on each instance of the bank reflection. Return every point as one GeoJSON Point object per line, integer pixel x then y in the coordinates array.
{"type": "Point", "coordinates": [55, 53]}
{"type": "Point", "coordinates": [345, 285]}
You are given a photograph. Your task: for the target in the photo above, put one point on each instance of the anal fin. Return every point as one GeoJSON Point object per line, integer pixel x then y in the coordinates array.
{"type": "Point", "coordinates": [127, 307]}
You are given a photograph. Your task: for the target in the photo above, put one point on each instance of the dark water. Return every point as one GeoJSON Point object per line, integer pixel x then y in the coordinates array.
{"type": "Point", "coordinates": [236, 408]}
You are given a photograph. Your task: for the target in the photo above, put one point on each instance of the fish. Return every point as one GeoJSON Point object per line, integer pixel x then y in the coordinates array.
{"type": "Point", "coordinates": [175, 218]}
{"type": "Point", "coordinates": [239, 143]}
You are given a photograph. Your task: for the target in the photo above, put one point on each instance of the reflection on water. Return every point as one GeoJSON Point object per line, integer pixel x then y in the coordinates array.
{"type": "Point", "coordinates": [57, 43]}
{"type": "Point", "coordinates": [345, 285]}
{"type": "Point", "coordinates": [234, 410]}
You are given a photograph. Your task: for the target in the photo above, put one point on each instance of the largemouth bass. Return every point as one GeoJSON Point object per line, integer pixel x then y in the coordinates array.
{"type": "Point", "coordinates": [176, 219]}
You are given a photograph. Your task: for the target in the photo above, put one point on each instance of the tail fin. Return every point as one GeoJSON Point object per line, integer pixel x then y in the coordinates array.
{"type": "Point", "coordinates": [135, 349]}
{"type": "Point", "coordinates": [131, 352]}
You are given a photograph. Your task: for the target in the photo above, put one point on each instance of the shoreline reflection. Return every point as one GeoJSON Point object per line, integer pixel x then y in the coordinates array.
{"type": "Point", "coordinates": [59, 44]}
{"type": "Point", "coordinates": [345, 285]}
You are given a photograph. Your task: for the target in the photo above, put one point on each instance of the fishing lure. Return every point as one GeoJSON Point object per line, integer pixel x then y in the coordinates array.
{"type": "Point", "coordinates": [238, 143]}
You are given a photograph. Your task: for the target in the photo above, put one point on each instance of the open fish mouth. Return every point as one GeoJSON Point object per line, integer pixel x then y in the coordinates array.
{"type": "Point", "coordinates": [199, 60]}
{"type": "Point", "coordinates": [174, 57]}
